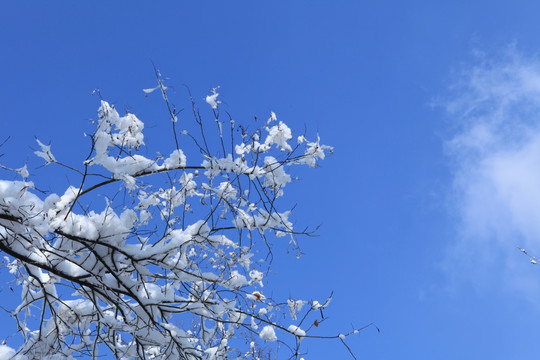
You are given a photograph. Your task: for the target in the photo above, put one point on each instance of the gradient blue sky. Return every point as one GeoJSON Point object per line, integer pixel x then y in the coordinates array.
{"type": "Point", "coordinates": [432, 108]}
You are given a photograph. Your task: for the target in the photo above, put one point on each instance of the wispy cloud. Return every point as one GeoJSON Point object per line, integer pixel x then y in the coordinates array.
{"type": "Point", "coordinates": [495, 158]}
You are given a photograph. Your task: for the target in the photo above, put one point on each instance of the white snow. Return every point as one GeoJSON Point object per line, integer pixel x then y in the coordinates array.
{"type": "Point", "coordinates": [295, 306]}
{"type": "Point", "coordinates": [23, 172]}
{"type": "Point", "coordinates": [176, 160]}
{"type": "Point", "coordinates": [268, 333]}
{"type": "Point", "coordinates": [296, 331]}
{"type": "Point", "coordinates": [6, 352]}
{"type": "Point", "coordinates": [212, 99]}
{"type": "Point", "coordinates": [279, 135]}
{"type": "Point", "coordinates": [45, 153]}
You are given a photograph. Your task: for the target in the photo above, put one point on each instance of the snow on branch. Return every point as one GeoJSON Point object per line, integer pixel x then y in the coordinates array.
{"type": "Point", "coordinates": [173, 268]}
{"type": "Point", "coordinates": [45, 153]}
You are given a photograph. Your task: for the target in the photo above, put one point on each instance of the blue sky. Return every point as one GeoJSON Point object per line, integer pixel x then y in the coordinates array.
{"type": "Point", "coordinates": [432, 108]}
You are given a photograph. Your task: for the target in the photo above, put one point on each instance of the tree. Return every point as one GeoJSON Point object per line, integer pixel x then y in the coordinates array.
{"type": "Point", "coordinates": [168, 268]}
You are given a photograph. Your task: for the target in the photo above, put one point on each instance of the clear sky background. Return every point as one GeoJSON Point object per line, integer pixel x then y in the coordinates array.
{"type": "Point", "coordinates": [433, 108]}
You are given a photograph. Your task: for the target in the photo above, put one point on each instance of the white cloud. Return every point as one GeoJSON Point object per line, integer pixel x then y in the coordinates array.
{"type": "Point", "coordinates": [495, 157]}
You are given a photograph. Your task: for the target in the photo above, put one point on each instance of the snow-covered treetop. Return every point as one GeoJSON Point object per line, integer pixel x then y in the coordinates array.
{"type": "Point", "coordinates": [170, 269]}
